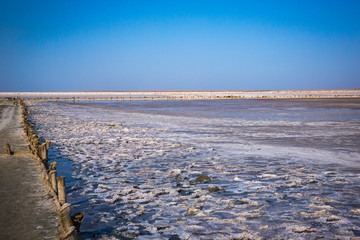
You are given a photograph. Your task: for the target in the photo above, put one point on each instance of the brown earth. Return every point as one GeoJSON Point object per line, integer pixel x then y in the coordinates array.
{"type": "Point", "coordinates": [27, 210]}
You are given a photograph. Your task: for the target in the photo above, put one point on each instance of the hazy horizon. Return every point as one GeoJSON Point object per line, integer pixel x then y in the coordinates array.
{"type": "Point", "coordinates": [237, 90]}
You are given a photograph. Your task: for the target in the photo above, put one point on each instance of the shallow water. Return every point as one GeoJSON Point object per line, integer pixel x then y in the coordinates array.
{"type": "Point", "coordinates": [278, 169]}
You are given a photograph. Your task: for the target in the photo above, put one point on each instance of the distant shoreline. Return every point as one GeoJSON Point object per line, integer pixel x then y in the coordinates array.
{"type": "Point", "coordinates": [175, 95]}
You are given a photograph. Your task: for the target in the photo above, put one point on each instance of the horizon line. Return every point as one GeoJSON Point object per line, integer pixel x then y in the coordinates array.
{"type": "Point", "coordinates": [147, 91]}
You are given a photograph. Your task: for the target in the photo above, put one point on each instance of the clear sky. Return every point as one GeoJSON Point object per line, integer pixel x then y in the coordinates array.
{"type": "Point", "coordinates": [179, 45]}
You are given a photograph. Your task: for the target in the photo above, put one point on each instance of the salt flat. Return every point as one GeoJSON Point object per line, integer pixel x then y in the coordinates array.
{"type": "Point", "coordinates": [208, 169]}
{"type": "Point", "coordinates": [160, 95]}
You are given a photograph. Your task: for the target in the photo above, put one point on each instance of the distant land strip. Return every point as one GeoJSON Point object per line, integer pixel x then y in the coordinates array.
{"type": "Point", "coordinates": [163, 95]}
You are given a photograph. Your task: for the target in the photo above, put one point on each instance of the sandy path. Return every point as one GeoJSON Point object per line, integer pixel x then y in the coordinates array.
{"type": "Point", "coordinates": [26, 209]}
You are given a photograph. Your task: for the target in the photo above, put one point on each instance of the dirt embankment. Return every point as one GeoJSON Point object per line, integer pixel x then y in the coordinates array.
{"type": "Point", "coordinates": [26, 208]}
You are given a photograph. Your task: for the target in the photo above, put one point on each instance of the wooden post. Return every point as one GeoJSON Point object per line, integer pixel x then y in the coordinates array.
{"type": "Point", "coordinates": [43, 152]}
{"type": "Point", "coordinates": [30, 133]}
{"type": "Point", "coordinates": [53, 166]}
{"type": "Point", "coordinates": [32, 138]}
{"type": "Point", "coordinates": [47, 144]}
{"type": "Point", "coordinates": [35, 141]}
{"type": "Point", "coordinates": [65, 215]}
{"type": "Point", "coordinates": [70, 232]}
{"type": "Point", "coordinates": [52, 177]}
{"type": "Point", "coordinates": [61, 189]}
{"type": "Point", "coordinates": [77, 219]}
{"type": "Point", "coordinates": [8, 149]}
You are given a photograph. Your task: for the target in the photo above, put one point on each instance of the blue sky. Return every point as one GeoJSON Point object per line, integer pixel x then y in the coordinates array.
{"type": "Point", "coordinates": [179, 45]}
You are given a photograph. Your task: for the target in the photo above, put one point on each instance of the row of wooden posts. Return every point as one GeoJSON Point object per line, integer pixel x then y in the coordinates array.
{"type": "Point", "coordinates": [71, 224]}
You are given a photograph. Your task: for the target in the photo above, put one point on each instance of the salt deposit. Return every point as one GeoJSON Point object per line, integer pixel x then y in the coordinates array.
{"type": "Point", "coordinates": [264, 169]}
